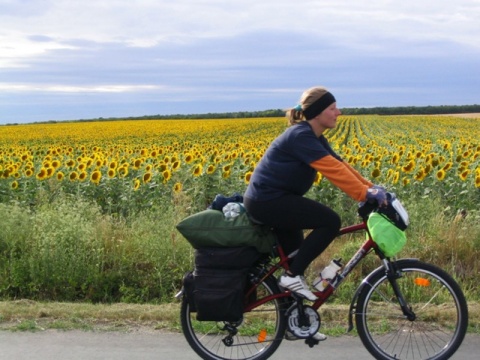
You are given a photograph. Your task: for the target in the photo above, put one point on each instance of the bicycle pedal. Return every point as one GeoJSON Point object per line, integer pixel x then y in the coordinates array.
{"type": "Point", "coordinates": [311, 342]}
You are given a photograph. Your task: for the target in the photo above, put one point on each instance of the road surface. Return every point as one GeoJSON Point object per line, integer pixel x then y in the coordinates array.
{"type": "Point", "coordinates": [78, 345]}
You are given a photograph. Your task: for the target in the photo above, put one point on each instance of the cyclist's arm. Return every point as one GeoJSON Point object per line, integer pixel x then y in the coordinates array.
{"type": "Point", "coordinates": [341, 176]}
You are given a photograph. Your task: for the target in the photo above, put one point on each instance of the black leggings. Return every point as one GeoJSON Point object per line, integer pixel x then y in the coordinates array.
{"type": "Point", "coordinates": [289, 216]}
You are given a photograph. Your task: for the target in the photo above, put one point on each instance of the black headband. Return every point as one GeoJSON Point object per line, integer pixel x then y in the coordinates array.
{"type": "Point", "coordinates": [318, 106]}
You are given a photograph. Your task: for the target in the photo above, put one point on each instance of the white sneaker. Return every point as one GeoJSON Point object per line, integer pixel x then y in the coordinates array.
{"type": "Point", "coordinates": [318, 336]}
{"type": "Point", "coordinates": [297, 285]}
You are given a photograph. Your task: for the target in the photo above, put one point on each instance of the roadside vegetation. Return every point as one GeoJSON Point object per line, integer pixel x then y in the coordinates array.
{"type": "Point", "coordinates": [88, 210]}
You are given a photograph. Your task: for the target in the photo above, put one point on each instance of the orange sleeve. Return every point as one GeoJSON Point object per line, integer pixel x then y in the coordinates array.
{"type": "Point", "coordinates": [341, 175]}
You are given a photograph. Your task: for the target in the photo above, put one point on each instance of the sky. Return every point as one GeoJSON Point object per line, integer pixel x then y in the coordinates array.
{"type": "Point", "coordinates": [77, 59]}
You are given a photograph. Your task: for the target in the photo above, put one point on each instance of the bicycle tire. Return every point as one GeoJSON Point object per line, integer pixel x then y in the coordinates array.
{"type": "Point", "coordinates": [259, 333]}
{"type": "Point", "coordinates": [437, 301]}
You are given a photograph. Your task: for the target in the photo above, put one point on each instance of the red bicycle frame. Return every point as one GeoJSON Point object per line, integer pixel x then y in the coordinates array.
{"type": "Point", "coordinates": [323, 296]}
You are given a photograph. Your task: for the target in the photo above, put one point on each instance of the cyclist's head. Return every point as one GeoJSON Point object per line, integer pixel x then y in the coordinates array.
{"type": "Point", "coordinates": [312, 102]}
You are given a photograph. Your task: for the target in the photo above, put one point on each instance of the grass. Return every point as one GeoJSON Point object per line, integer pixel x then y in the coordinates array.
{"type": "Point", "coordinates": [27, 315]}
{"type": "Point", "coordinates": [82, 269]}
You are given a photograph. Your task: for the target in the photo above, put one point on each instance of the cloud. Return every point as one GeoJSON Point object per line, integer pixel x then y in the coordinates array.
{"type": "Point", "coordinates": [31, 88]}
{"type": "Point", "coordinates": [194, 55]}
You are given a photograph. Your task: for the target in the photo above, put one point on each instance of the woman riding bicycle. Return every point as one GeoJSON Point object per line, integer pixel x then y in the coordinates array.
{"type": "Point", "coordinates": [287, 170]}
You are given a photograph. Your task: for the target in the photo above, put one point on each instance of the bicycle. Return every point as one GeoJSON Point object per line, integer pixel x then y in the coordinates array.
{"type": "Point", "coordinates": [404, 309]}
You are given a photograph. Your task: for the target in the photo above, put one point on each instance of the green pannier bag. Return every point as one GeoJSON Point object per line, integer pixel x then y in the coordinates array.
{"type": "Point", "coordinates": [389, 238]}
{"type": "Point", "coordinates": [210, 228]}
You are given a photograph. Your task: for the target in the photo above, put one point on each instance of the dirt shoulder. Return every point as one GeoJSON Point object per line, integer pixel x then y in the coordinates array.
{"type": "Point", "coordinates": [27, 315]}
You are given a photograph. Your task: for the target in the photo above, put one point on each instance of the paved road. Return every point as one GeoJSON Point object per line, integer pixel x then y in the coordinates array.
{"type": "Point", "coordinates": [77, 345]}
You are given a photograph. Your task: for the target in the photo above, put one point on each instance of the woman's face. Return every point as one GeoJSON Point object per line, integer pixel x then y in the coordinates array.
{"type": "Point", "coordinates": [327, 119]}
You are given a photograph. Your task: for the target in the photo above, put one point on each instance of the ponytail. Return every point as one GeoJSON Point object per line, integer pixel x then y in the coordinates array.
{"type": "Point", "coordinates": [295, 115]}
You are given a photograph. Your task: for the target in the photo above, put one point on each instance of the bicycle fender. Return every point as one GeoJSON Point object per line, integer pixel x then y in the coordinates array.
{"type": "Point", "coordinates": [366, 282]}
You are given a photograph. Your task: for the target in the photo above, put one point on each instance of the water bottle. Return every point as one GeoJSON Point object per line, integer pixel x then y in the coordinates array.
{"type": "Point", "coordinates": [327, 275]}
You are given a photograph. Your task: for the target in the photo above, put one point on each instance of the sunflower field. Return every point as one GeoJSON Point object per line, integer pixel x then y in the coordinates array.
{"type": "Point", "coordinates": [87, 209]}
{"type": "Point", "coordinates": [127, 166]}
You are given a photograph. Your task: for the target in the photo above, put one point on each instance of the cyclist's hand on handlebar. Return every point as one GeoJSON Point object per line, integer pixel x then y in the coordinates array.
{"type": "Point", "coordinates": [379, 187]}
{"type": "Point", "coordinates": [377, 194]}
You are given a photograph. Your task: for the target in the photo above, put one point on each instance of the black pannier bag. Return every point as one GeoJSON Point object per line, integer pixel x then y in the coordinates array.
{"type": "Point", "coordinates": [219, 279]}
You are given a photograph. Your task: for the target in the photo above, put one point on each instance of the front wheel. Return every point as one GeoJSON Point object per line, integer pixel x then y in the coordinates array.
{"type": "Point", "coordinates": [441, 314]}
{"type": "Point", "coordinates": [255, 337]}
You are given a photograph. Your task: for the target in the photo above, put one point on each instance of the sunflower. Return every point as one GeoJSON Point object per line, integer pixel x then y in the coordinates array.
{"type": "Point", "coordinates": [211, 169]}
{"type": "Point", "coordinates": [137, 163]}
{"type": "Point", "coordinates": [409, 167]}
{"type": "Point", "coordinates": [248, 176]}
{"type": "Point", "coordinates": [420, 176]}
{"type": "Point", "coordinates": [95, 177]}
{"type": "Point", "coordinates": [82, 176]}
{"type": "Point", "coordinates": [226, 174]}
{"type": "Point", "coordinates": [198, 170]}
{"type": "Point", "coordinates": [427, 169]}
{"type": "Point", "coordinates": [73, 176]}
{"type": "Point", "coordinates": [42, 174]}
{"type": "Point", "coordinates": [318, 178]}
{"type": "Point", "coordinates": [477, 180]}
{"type": "Point", "coordinates": [111, 173]}
{"type": "Point", "coordinates": [167, 175]}
{"type": "Point", "coordinates": [448, 166]}
{"type": "Point", "coordinates": [176, 165]}
{"type": "Point", "coordinates": [14, 185]}
{"type": "Point", "coordinates": [390, 173]}
{"type": "Point", "coordinates": [147, 177]}
{"type": "Point", "coordinates": [396, 177]}
{"type": "Point", "coordinates": [441, 174]}
{"type": "Point", "coordinates": [136, 184]}
{"type": "Point", "coordinates": [376, 173]}
{"type": "Point", "coordinates": [177, 187]}
{"type": "Point", "coordinates": [60, 176]}
{"type": "Point", "coordinates": [464, 174]}
{"type": "Point", "coordinates": [188, 158]}
{"type": "Point", "coordinates": [123, 171]}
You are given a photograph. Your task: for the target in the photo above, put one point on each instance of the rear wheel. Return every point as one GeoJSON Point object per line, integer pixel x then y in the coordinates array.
{"type": "Point", "coordinates": [441, 314]}
{"type": "Point", "coordinates": [255, 337]}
